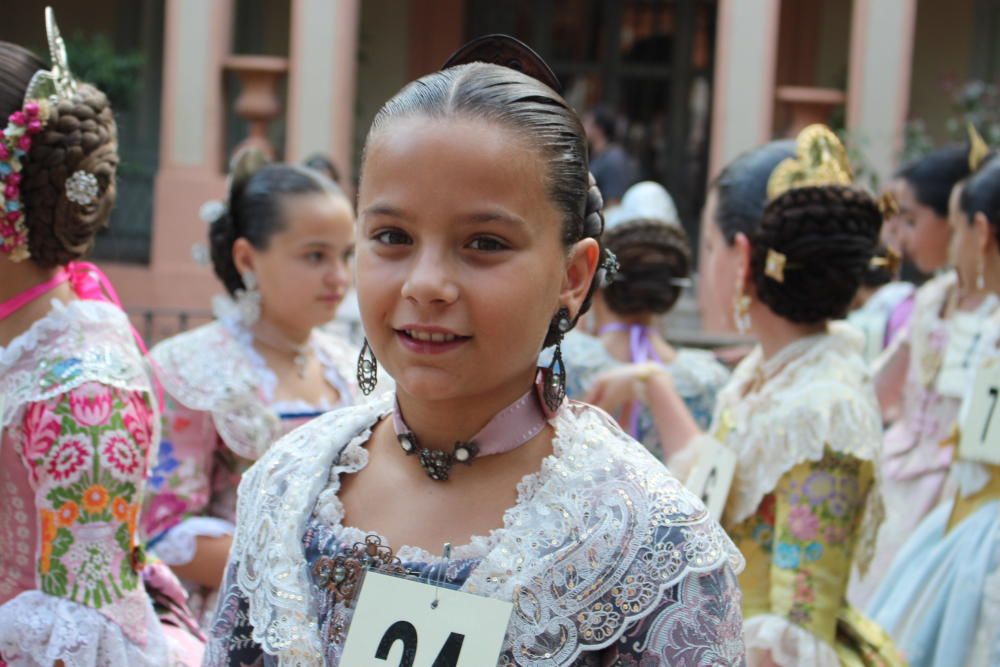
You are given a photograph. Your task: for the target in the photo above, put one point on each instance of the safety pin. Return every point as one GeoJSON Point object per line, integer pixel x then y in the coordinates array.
{"type": "Point", "coordinates": [445, 559]}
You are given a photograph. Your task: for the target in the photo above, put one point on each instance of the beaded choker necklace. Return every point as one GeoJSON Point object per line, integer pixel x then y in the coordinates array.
{"type": "Point", "coordinates": [511, 428]}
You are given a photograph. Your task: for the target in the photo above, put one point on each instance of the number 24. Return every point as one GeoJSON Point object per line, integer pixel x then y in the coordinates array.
{"type": "Point", "coordinates": [403, 631]}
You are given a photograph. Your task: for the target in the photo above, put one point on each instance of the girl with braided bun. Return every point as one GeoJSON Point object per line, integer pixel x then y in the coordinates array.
{"type": "Point", "coordinates": [281, 246]}
{"type": "Point", "coordinates": [78, 411]}
{"type": "Point", "coordinates": [622, 369]}
{"type": "Point", "coordinates": [940, 600]}
{"type": "Point", "coordinates": [799, 418]}
{"type": "Point", "coordinates": [478, 244]}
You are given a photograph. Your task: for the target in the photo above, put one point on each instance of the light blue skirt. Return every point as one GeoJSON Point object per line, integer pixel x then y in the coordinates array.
{"type": "Point", "coordinates": [930, 601]}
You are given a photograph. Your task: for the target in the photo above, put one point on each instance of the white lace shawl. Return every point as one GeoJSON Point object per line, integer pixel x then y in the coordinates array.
{"type": "Point", "coordinates": [75, 343]}
{"type": "Point", "coordinates": [595, 514]}
{"type": "Point", "coordinates": [214, 369]}
{"type": "Point", "coordinates": [821, 398]}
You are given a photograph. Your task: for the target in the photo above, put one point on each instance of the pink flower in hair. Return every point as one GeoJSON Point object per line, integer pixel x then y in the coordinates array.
{"type": "Point", "coordinates": [13, 216]}
{"type": "Point", "coordinates": [17, 118]}
{"type": "Point", "coordinates": [11, 191]}
{"type": "Point", "coordinates": [35, 126]}
{"type": "Point", "coordinates": [31, 108]}
{"type": "Point", "coordinates": [14, 179]}
{"type": "Point", "coordinates": [4, 152]}
{"type": "Point", "coordinates": [24, 143]}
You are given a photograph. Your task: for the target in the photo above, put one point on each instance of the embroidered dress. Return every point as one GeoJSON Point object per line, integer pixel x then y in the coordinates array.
{"type": "Point", "coordinates": [600, 514]}
{"type": "Point", "coordinates": [940, 600]}
{"type": "Point", "coordinates": [76, 433]}
{"type": "Point", "coordinates": [697, 375]}
{"type": "Point", "coordinates": [917, 450]}
{"type": "Point", "coordinates": [804, 504]}
{"type": "Point", "coordinates": [221, 416]}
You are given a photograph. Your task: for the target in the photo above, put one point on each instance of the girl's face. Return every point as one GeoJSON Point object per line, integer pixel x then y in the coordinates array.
{"type": "Point", "coordinates": [718, 272]}
{"type": "Point", "coordinates": [460, 261]}
{"type": "Point", "coordinates": [925, 234]}
{"type": "Point", "coordinates": [305, 270]}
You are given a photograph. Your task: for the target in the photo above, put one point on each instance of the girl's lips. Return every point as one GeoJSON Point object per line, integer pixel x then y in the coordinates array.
{"type": "Point", "coordinates": [422, 346]}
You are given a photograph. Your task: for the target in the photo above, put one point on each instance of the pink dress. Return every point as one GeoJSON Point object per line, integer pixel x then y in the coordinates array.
{"type": "Point", "coordinates": [77, 419]}
{"type": "Point", "coordinates": [917, 450]}
{"type": "Point", "coordinates": [220, 417]}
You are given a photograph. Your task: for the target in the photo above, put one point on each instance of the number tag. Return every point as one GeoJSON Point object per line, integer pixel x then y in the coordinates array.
{"type": "Point", "coordinates": [981, 416]}
{"type": "Point", "coordinates": [960, 355]}
{"type": "Point", "coordinates": [395, 625]}
{"type": "Point", "coordinates": [712, 474]}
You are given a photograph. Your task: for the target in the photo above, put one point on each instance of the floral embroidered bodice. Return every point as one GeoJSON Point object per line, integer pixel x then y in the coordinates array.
{"type": "Point", "coordinates": [599, 513]}
{"type": "Point", "coordinates": [804, 504]}
{"type": "Point", "coordinates": [77, 419]}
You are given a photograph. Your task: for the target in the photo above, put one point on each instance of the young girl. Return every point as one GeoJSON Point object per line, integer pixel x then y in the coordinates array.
{"type": "Point", "coordinates": [941, 598]}
{"type": "Point", "coordinates": [281, 247]}
{"type": "Point", "coordinates": [77, 410]}
{"type": "Point", "coordinates": [799, 416]}
{"type": "Point", "coordinates": [478, 242]}
{"type": "Point", "coordinates": [919, 398]}
{"type": "Point", "coordinates": [630, 354]}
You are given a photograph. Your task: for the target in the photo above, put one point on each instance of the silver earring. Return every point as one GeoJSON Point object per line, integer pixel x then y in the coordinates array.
{"type": "Point", "coordinates": [980, 275]}
{"type": "Point", "coordinates": [741, 311]}
{"type": "Point", "coordinates": [248, 299]}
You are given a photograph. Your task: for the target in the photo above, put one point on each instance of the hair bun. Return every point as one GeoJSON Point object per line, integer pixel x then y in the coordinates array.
{"type": "Point", "coordinates": [247, 162]}
{"type": "Point", "coordinates": [593, 215]}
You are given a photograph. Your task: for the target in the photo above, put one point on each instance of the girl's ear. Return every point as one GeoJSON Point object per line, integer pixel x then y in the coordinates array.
{"type": "Point", "coordinates": [243, 255]}
{"type": "Point", "coordinates": [580, 269]}
{"type": "Point", "coordinates": [742, 246]}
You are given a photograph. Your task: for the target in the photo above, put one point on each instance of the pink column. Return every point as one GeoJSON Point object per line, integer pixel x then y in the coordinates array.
{"type": "Point", "coordinates": [196, 40]}
{"type": "Point", "coordinates": [743, 90]}
{"type": "Point", "coordinates": [323, 68]}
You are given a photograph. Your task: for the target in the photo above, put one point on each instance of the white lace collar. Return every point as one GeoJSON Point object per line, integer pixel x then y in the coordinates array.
{"type": "Point", "coordinates": [600, 506]}
{"type": "Point", "coordinates": [214, 368]}
{"type": "Point", "coordinates": [818, 394]}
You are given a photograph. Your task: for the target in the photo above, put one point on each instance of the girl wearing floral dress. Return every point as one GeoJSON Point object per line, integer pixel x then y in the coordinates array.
{"type": "Point", "coordinates": [281, 245]}
{"type": "Point", "coordinates": [77, 409]}
{"type": "Point", "coordinates": [799, 416]}
{"type": "Point", "coordinates": [478, 243]}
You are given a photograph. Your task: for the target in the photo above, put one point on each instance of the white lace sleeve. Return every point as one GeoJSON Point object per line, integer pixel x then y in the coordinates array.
{"type": "Point", "coordinates": [179, 544]}
{"type": "Point", "coordinates": [787, 644]}
{"type": "Point", "coordinates": [36, 630]}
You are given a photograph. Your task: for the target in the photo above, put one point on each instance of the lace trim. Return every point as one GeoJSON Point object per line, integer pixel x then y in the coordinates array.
{"type": "Point", "coordinates": [75, 343]}
{"type": "Point", "coordinates": [823, 399]}
{"type": "Point", "coordinates": [38, 630]}
{"type": "Point", "coordinates": [211, 369]}
{"type": "Point", "coordinates": [179, 544]}
{"type": "Point", "coordinates": [788, 644]}
{"type": "Point", "coordinates": [600, 507]}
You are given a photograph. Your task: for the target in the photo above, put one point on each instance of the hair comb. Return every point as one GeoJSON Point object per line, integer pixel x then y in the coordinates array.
{"type": "Point", "coordinates": [505, 51]}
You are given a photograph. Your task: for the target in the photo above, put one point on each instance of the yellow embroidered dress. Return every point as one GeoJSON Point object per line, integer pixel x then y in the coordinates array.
{"type": "Point", "coordinates": [806, 430]}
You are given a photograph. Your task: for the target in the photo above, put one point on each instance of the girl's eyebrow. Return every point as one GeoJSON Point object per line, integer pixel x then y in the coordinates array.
{"type": "Point", "coordinates": [385, 210]}
{"type": "Point", "coordinates": [496, 215]}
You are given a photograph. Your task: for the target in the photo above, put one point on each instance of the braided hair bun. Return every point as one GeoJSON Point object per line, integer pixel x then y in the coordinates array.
{"type": "Point", "coordinates": [828, 236]}
{"type": "Point", "coordinates": [652, 258]}
{"type": "Point", "coordinates": [80, 135]}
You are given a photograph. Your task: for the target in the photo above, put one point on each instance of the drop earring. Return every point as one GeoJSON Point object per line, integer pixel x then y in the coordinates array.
{"type": "Point", "coordinates": [981, 275]}
{"type": "Point", "coordinates": [741, 311]}
{"type": "Point", "coordinates": [553, 379]}
{"type": "Point", "coordinates": [367, 369]}
{"type": "Point", "coordinates": [248, 299]}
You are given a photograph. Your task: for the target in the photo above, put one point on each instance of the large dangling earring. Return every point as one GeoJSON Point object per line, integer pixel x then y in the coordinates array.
{"type": "Point", "coordinates": [981, 275]}
{"type": "Point", "coordinates": [553, 378]}
{"type": "Point", "coordinates": [248, 299]}
{"type": "Point", "coordinates": [367, 369]}
{"type": "Point", "coordinates": [741, 311]}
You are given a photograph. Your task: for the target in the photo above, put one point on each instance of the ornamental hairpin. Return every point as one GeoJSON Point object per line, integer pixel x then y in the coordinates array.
{"type": "Point", "coordinates": [820, 159]}
{"type": "Point", "coordinates": [887, 204]}
{"type": "Point", "coordinates": [44, 90]}
{"type": "Point", "coordinates": [774, 265]}
{"type": "Point", "coordinates": [890, 261]}
{"type": "Point", "coordinates": [978, 149]}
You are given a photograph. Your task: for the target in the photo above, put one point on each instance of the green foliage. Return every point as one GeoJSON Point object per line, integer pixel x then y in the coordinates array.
{"type": "Point", "coordinates": [976, 102]}
{"type": "Point", "coordinates": [95, 60]}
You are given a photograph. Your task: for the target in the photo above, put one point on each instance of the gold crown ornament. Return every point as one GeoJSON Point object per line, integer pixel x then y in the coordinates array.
{"type": "Point", "coordinates": [978, 150]}
{"type": "Point", "coordinates": [820, 159]}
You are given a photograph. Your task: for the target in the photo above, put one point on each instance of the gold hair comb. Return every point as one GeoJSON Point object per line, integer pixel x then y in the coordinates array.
{"type": "Point", "coordinates": [891, 260]}
{"type": "Point", "coordinates": [978, 150]}
{"type": "Point", "coordinates": [820, 159]}
{"type": "Point", "coordinates": [887, 204]}
{"type": "Point", "coordinates": [774, 265]}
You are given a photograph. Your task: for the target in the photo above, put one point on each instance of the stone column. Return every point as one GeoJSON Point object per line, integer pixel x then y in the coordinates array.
{"type": "Point", "coordinates": [323, 68]}
{"type": "Point", "coordinates": [743, 90]}
{"type": "Point", "coordinates": [878, 95]}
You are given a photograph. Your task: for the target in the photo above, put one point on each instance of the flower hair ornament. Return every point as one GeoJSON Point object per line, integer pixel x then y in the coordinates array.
{"type": "Point", "coordinates": [820, 159]}
{"type": "Point", "coordinates": [45, 90]}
